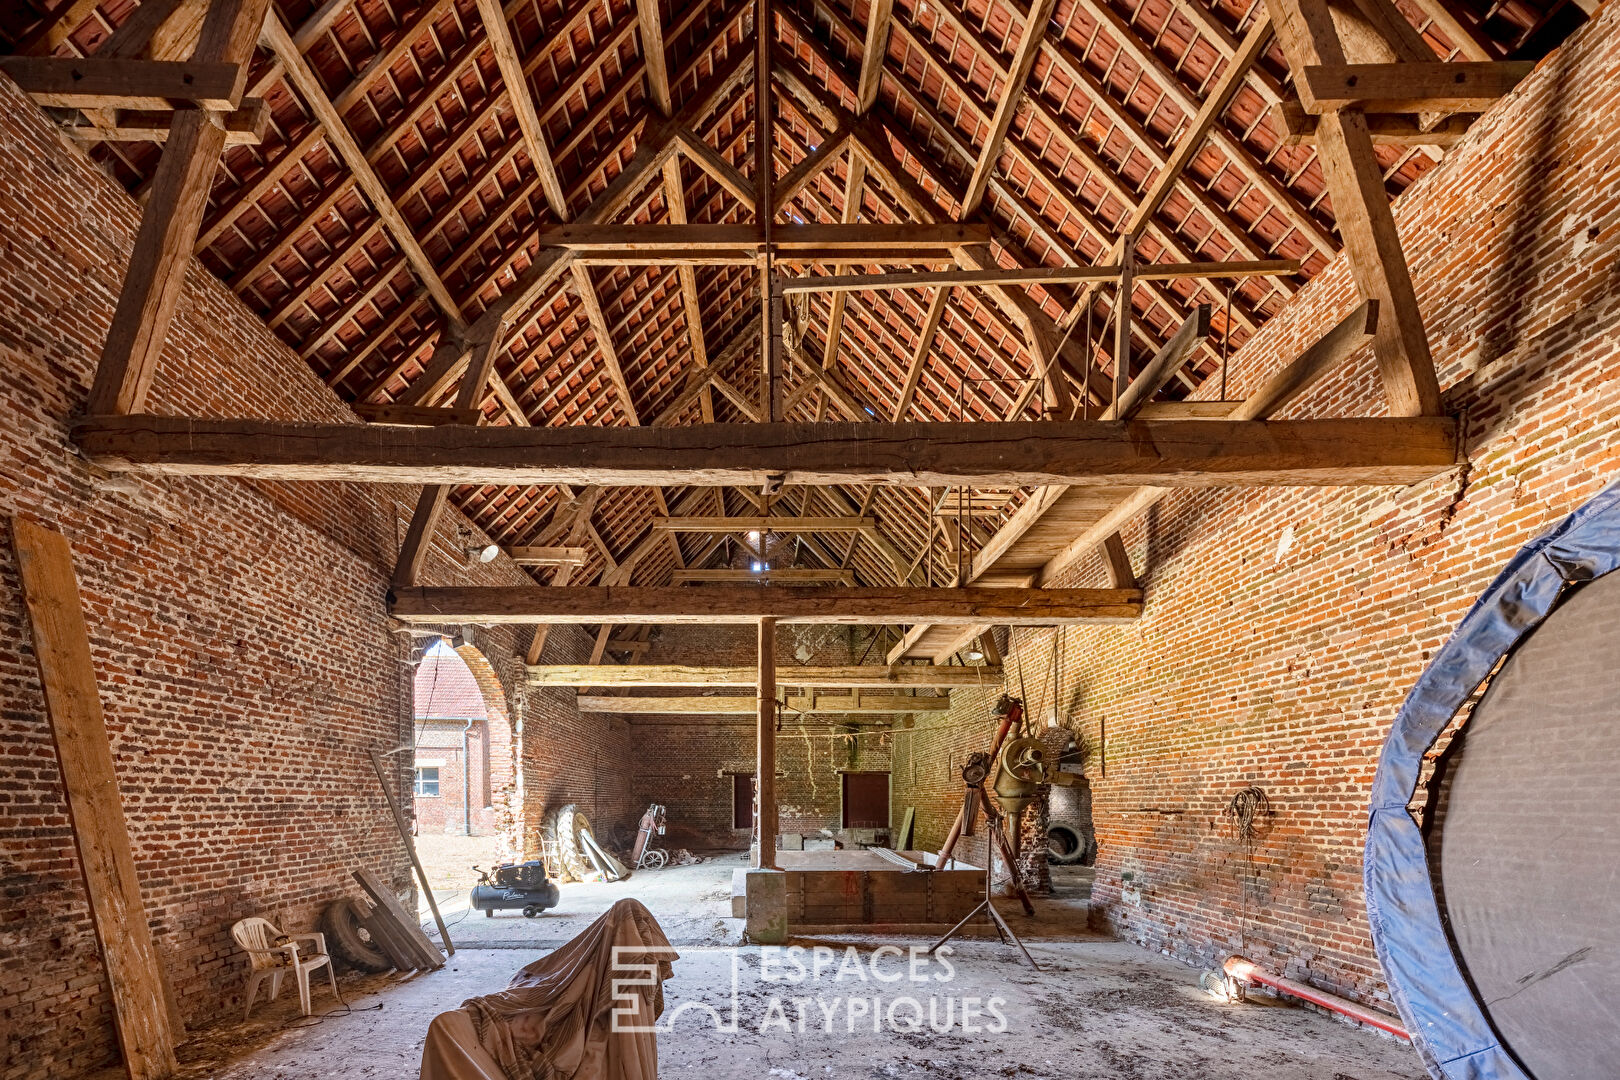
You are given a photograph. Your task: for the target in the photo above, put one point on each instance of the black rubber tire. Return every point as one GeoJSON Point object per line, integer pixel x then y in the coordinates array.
{"type": "Point", "coordinates": [1064, 846]}
{"type": "Point", "coordinates": [531, 912]}
{"type": "Point", "coordinates": [349, 941]}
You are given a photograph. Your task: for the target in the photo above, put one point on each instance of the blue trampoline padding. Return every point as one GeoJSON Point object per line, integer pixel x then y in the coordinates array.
{"type": "Point", "coordinates": [1448, 1026]}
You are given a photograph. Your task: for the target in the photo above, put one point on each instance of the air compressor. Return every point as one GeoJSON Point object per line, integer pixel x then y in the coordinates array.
{"type": "Point", "coordinates": [514, 885]}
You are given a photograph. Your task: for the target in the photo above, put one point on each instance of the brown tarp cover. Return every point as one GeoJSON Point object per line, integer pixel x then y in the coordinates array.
{"type": "Point", "coordinates": [555, 1021]}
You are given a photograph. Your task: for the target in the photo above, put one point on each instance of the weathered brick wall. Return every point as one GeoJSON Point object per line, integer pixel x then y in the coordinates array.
{"type": "Point", "coordinates": [687, 762]}
{"type": "Point", "coordinates": [465, 794]}
{"type": "Point", "coordinates": [1284, 626]}
{"type": "Point", "coordinates": [238, 630]}
{"type": "Point", "coordinates": [569, 756]}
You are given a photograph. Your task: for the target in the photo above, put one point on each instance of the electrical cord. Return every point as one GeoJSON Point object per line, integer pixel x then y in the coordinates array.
{"type": "Point", "coordinates": [1247, 820]}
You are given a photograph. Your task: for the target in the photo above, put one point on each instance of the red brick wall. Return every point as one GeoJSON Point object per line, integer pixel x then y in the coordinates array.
{"type": "Point", "coordinates": [239, 632]}
{"type": "Point", "coordinates": [928, 760]}
{"type": "Point", "coordinates": [1284, 626]}
{"type": "Point", "coordinates": [687, 762]}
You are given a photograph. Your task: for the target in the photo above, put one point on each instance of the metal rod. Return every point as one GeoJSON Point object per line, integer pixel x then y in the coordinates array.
{"type": "Point", "coordinates": [410, 849]}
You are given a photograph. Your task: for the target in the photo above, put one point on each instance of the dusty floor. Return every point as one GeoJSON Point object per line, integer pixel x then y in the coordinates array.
{"type": "Point", "coordinates": [449, 860]}
{"type": "Point", "coordinates": [691, 903]}
{"type": "Point", "coordinates": [1101, 1008]}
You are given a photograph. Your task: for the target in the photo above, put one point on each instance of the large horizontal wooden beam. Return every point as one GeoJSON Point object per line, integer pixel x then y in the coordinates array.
{"type": "Point", "coordinates": [695, 238]}
{"type": "Point", "coordinates": [764, 577]}
{"type": "Point", "coordinates": [101, 83]}
{"type": "Point", "coordinates": [1170, 453]}
{"type": "Point", "coordinates": [748, 255]}
{"type": "Point", "coordinates": [849, 677]}
{"type": "Point", "coordinates": [841, 704]}
{"type": "Point", "coordinates": [1388, 129]}
{"type": "Point", "coordinates": [765, 524]}
{"type": "Point", "coordinates": [243, 127]}
{"type": "Point", "coordinates": [1043, 275]}
{"type": "Point", "coordinates": [1409, 87]}
{"type": "Point", "coordinates": [749, 603]}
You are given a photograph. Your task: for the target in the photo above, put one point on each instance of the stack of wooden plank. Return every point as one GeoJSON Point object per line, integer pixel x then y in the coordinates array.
{"type": "Point", "coordinates": [392, 928]}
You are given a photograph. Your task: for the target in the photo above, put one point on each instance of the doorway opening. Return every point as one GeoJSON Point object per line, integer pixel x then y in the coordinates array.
{"type": "Point", "coordinates": [742, 801]}
{"type": "Point", "coordinates": [866, 800]}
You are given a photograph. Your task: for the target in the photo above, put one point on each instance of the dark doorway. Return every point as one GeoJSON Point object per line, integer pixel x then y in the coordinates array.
{"type": "Point", "coordinates": [866, 800]}
{"type": "Point", "coordinates": [742, 800]}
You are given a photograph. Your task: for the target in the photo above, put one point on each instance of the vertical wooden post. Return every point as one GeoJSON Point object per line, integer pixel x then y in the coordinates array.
{"type": "Point", "coordinates": [765, 745]}
{"type": "Point", "coordinates": [62, 651]}
{"type": "Point", "coordinates": [1122, 317]}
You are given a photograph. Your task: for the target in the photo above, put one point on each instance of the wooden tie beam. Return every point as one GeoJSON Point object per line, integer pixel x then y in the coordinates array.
{"type": "Point", "coordinates": [848, 677]}
{"type": "Point", "coordinates": [765, 524]}
{"type": "Point", "coordinates": [750, 603]}
{"type": "Point", "coordinates": [1172, 453]}
{"type": "Point", "coordinates": [738, 705]}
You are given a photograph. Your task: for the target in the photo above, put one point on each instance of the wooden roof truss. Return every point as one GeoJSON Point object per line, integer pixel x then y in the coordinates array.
{"type": "Point", "coordinates": [538, 214]}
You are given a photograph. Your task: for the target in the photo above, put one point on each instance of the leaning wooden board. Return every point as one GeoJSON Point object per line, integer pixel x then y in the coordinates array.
{"type": "Point", "coordinates": [388, 907]}
{"type": "Point", "coordinates": [61, 647]}
{"type": "Point", "coordinates": [386, 935]}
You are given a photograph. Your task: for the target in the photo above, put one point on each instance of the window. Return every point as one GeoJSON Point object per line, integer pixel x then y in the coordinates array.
{"type": "Point", "coordinates": [427, 781]}
{"type": "Point", "coordinates": [742, 800]}
{"type": "Point", "coordinates": [866, 800]}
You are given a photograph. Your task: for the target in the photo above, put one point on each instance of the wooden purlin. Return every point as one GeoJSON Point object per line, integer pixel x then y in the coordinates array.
{"type": "Point", "coordinates": [1121, 191]}
{"type": "Point", "coordinates": [887, 364]}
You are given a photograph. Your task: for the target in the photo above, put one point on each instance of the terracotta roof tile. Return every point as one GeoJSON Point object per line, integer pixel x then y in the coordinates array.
{"type": "Point", "coordinates": [446, 690]}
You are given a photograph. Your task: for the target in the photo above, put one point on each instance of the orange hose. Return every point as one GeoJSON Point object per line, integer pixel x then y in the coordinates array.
{"type": "Point", "coordinates": [1245, 971]}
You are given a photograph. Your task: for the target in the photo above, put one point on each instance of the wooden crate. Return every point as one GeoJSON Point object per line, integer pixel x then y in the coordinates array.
{"type": "Point", "coordinates": [858, 890]}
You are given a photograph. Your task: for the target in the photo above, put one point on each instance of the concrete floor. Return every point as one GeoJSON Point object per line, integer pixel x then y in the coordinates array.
{"type": "Point", "coordinates": [1101, 1008]}
{"type": "Point", "coordinates": [691, 903]}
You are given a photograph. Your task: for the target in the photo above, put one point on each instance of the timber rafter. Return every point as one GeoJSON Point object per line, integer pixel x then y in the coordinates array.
{"type": "Point", "coordinates": [399, 180]}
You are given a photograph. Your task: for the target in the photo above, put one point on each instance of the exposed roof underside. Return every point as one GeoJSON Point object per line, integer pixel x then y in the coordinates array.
{"type": "Point", "coordinates": [418, 87]}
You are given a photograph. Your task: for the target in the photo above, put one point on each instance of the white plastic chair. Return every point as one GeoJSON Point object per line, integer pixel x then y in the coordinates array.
{"type": "Point", "coordinates": [270, 960]}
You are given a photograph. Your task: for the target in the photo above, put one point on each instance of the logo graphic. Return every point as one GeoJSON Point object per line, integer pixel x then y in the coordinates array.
{"type": "Point", "coordinates": [817, 989]}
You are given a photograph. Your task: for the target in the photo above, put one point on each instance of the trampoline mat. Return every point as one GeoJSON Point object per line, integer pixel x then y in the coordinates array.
{"type": "Point", "coordinates": [1529, 842]}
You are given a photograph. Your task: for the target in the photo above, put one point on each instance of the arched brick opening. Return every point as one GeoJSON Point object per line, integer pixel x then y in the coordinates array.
{"type": "Point", "coordinates": [504, 778]}
{"type": "Point", "coordinates": [467, 779]}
